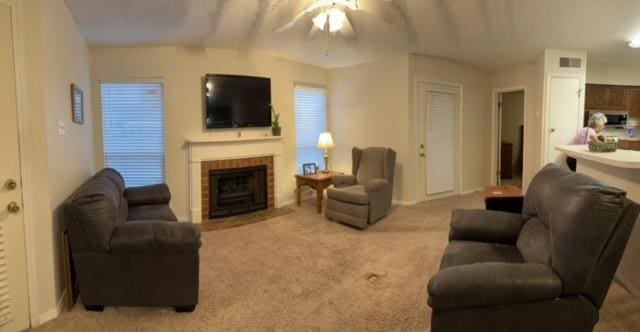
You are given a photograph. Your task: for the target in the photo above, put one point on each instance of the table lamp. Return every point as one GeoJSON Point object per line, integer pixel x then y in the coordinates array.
{"type": "Point", "coordinates": [325, 141]}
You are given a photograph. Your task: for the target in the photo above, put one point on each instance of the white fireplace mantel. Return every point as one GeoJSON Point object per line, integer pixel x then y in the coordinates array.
{"type": "Point", "coordinates": [209, 148]}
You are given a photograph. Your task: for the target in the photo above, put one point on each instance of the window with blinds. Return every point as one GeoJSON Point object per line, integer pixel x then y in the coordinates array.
{"type": "Point", "coordinates": [133, 130]}
{"type": "Point", "coordinates": [311, 120]}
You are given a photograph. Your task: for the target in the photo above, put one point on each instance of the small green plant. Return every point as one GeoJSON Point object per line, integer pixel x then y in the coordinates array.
{"type": "Point", "coordinates": [275, 123]}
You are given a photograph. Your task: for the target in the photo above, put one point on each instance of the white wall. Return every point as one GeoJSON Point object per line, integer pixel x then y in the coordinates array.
{"type": "Point", "coordinates": [369, 107]}
{"type": "Point", "coordinates": [613, 73]}
{"type": "Point", "coordinates": [182, 70]}
{"type": "Point", "coordinates": [476, 116]}
{"type": "Point", "coordinates": [56, 56]}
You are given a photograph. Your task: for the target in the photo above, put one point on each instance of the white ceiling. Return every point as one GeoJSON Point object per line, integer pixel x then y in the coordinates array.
{"type": "Point", "coordinates": [485, 33]}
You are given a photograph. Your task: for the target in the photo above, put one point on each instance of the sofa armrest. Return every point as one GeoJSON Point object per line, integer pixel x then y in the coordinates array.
{"type": "Point", "coordinates": [155, 236]}
{"type": "Point", "coordinates": [372, 186]}
{"type": "Point", "coordinates": [486, 226]}
{"type": "Point", "coordinates": [488, 284]}
{"type": "Point", "coordinates": [147, 195]}
{"type": "Point", "coordinates": [343, 180]}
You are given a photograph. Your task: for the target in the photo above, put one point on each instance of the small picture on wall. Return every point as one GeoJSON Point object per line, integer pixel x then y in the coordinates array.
{"type": "Point", "coordinates": [77, 104]}
{"type": "Point", "coordinates": [309, 168]}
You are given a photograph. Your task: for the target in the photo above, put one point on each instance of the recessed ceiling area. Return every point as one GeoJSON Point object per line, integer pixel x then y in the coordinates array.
{"type": "Point", "coordinates": [485, 33]}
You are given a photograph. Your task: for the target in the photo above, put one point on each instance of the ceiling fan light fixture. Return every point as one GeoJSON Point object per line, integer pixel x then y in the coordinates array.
{"type": "Point", "coordinates": [335, 16]}
{"type": "Point", "coordinates": [635, 42]}
{"type": "Point", "coordinates": [336, 19]}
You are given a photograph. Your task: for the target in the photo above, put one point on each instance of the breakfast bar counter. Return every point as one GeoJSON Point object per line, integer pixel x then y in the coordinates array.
{"type": "Point", "coordinates": [619, 169]}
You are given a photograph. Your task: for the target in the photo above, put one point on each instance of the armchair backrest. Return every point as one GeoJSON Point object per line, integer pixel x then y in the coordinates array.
{"type": "Point", "coordinates": [578, 222]}
{"type": "Point", "coordinates": [94, 209]}
{"type": "Point", "coordinates": [373, 163]}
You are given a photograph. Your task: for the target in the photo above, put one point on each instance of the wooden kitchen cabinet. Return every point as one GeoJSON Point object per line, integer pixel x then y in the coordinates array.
{"type": "Point", "coordinates": [596, 97]}
{"type": "Point", "coordinates": [633, 103]}
{"type": "Point", "coordinates": [629, 145]}
{"type": "Point", "coordinates": [606, 97]}
{"type": "Point", "coordinates": [616, 98]}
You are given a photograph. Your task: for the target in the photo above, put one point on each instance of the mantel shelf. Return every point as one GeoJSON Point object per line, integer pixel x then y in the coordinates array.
{"type": "Point", "coordinates": [213, 140]}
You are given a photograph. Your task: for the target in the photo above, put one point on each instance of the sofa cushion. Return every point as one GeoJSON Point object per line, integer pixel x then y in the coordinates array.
{"type": "Point", "coordinates": [155, 236]}
{"type": "Point", "coordinates": [534, 242]}
{"type": "Point", "coordinates": [351, 194]}
{"type": "Point", "coordinates": [151, 212]}
{"type": "Point", "coordinates": [470, 252]}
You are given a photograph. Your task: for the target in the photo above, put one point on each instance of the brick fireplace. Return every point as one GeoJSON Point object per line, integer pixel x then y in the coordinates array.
{"type": "Point", "coordinates": [214, 154]}
{"type": "Point", "coordinates": [236, 186]}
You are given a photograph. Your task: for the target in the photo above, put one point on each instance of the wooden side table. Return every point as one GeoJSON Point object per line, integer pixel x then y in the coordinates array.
{"type": "Point", "coordinates": [503, 198]}
{"type": "Point", "coordinates": [319, 182]}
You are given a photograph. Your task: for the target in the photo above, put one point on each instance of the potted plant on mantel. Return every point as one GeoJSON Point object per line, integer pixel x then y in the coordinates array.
{"type": "Point", "coordinates": [276, 130]}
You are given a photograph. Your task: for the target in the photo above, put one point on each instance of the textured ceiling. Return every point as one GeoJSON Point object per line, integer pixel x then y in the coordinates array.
{"type": "Point", "coordinates": [485, 33]}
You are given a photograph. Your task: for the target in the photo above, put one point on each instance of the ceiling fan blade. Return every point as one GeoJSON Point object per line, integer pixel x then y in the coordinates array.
{"type": "Point", "coordinates": [290, 23]}
{"type": "Point", "coordinates": [348, 31]}
{"type": "Point", "coordinates": [313, 31]}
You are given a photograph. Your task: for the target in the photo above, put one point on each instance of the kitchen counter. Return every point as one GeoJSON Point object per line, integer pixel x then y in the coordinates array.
{"type": "Point", "coordinates": [621, 158]}
{"type": "Point", "coordinates": [619, 169]}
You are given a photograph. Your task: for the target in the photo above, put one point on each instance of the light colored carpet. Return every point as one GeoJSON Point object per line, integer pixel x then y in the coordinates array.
{"type": "Point", "coordinates": [301, 272]}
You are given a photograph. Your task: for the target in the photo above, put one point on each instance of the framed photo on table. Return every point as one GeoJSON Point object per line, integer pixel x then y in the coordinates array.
{"type": "Point", "coordinates": [309, 169]}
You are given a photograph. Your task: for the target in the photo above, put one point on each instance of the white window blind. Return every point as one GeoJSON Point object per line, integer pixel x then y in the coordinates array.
{"type": "Point", "coordinates": [311, 120]}
{"type": "Point", "coordinates": [441, 108]}
{"type": "Point", "coordinates": [5, 296]}
{"type": "Point", "coordinates": [133, 130]}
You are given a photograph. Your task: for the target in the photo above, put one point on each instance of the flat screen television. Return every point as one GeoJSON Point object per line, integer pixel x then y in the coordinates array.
{"type": "Point", "coordinates": [237, 101]}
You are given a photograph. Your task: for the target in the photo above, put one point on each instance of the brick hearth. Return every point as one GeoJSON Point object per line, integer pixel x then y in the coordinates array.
{"type": "Point", "coordinates": [209, 165]}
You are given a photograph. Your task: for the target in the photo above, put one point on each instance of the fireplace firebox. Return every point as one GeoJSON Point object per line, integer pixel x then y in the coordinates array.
{"type": "Point", "coordinates": [237, 190]}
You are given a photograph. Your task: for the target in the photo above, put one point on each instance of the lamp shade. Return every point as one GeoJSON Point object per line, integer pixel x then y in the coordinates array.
{"type": "Point", "coordinates": [325, 141]}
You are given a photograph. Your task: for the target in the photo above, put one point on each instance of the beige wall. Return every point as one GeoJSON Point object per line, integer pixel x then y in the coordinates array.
{"type": "Point", "coordinates": [56, 55]}
{"type": "Point", "coordinates": [512, 119]}
{"type": "Point", "coordinates": [373, 104]}
{"type": "Point", "coordinates": [368, 107]}
{"type": "Point", "coordinates": [476, 115]}
{"type": "Point", "coordinates": [526, 77]}
{"type": "Point", "coordinates": [182, 70]}
{"type": "Point", "coordinates": [613, 73]}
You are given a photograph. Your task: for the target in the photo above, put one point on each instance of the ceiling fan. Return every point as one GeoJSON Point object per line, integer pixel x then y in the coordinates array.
{"type": "Point", "coordinates": [329, 16]}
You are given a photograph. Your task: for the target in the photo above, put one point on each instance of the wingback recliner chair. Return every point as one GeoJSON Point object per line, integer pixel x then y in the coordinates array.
{"type": "Point", "coordinates": [363, 198]}
{"type": "Point", "coordinates": [127, 247]}
{"type": "Point", "coordinates": [547, 269]}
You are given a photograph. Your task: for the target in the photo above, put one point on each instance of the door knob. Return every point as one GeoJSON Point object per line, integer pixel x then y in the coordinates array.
{"type": "Point", "coordinates": [10, 184]}
{"type": "Point", "coordinates": [553, 130]}
{"type": "Point", "coordinates": [13, 207]}
{"type": "Point", "coordinates": [422, 154]}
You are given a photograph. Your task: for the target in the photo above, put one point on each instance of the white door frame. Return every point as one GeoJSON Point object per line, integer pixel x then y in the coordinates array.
{"type": "Point", "coordinates": [546, 109]}
{"type": "Point", "coordinates": [23, 114]}
{"type": "Point", "coordinates": [495, 132]}
{"type": "Point", "coordinates": [459, 144]}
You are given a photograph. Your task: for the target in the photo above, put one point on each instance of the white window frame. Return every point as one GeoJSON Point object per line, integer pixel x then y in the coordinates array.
{"type": "Point", "coordinates": [315, 88]}
{"type": "Point", "coordinates": [140, 80]}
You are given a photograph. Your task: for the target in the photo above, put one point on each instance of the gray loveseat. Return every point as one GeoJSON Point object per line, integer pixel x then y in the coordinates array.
{"type": "Point", "coordinates": [365, 196]}
{"type": "Point", "coordinates": [547, 269]}
{"type": "Point", "coordinates": [127, 247]}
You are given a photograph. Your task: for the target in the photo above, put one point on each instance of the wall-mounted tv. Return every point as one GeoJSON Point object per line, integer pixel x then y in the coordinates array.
{"type": "Point", "coordinates": [237, 101]}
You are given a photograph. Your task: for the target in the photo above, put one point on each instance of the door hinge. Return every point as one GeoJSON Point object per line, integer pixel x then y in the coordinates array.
{"type": "Point", "coordinates": [579, 93]}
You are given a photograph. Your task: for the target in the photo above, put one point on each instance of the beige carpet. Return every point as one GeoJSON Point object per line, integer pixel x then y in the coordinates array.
{"type": "Point", "coordinates": [300, 272]}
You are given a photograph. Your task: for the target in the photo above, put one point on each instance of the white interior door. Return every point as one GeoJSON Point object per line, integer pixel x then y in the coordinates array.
{"type": "Point", "coordinates": [439, 146]}
{"type": "Point", "coordinates": [564, 113]}
{"type": "Point", "coordinates": [14, 310]}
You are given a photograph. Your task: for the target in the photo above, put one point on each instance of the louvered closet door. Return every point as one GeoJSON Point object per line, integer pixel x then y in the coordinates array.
{"type": "Point", "coordinates": [14, 311]}
{"type": "Point", "coordinates": [440, 142]}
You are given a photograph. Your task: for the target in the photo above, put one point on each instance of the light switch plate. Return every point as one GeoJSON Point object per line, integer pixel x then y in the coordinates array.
{"type": "Point", "coordinates": [61, 130]}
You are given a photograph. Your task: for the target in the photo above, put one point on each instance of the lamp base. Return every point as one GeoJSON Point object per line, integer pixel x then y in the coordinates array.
{"type": "Point", "coordinates": [326, 163]}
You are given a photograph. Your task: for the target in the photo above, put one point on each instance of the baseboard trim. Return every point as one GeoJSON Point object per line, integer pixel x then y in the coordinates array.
{"type": "Point", "coordinates": [469, 191]}
{"type": "Point", "coordinates": [626, 284]}
{"type": "Point", "coordinates": [396, 202]}
{"type": "Point", "coordinates": [53, 313]}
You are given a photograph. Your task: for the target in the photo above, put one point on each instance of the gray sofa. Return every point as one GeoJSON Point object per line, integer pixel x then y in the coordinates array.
{"type": "Point", "coordinates": [365, 196]}
{"type": "Point", "coordinates": [547, 269]}
{"type": "Point", "coordinates": [127, 247]}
